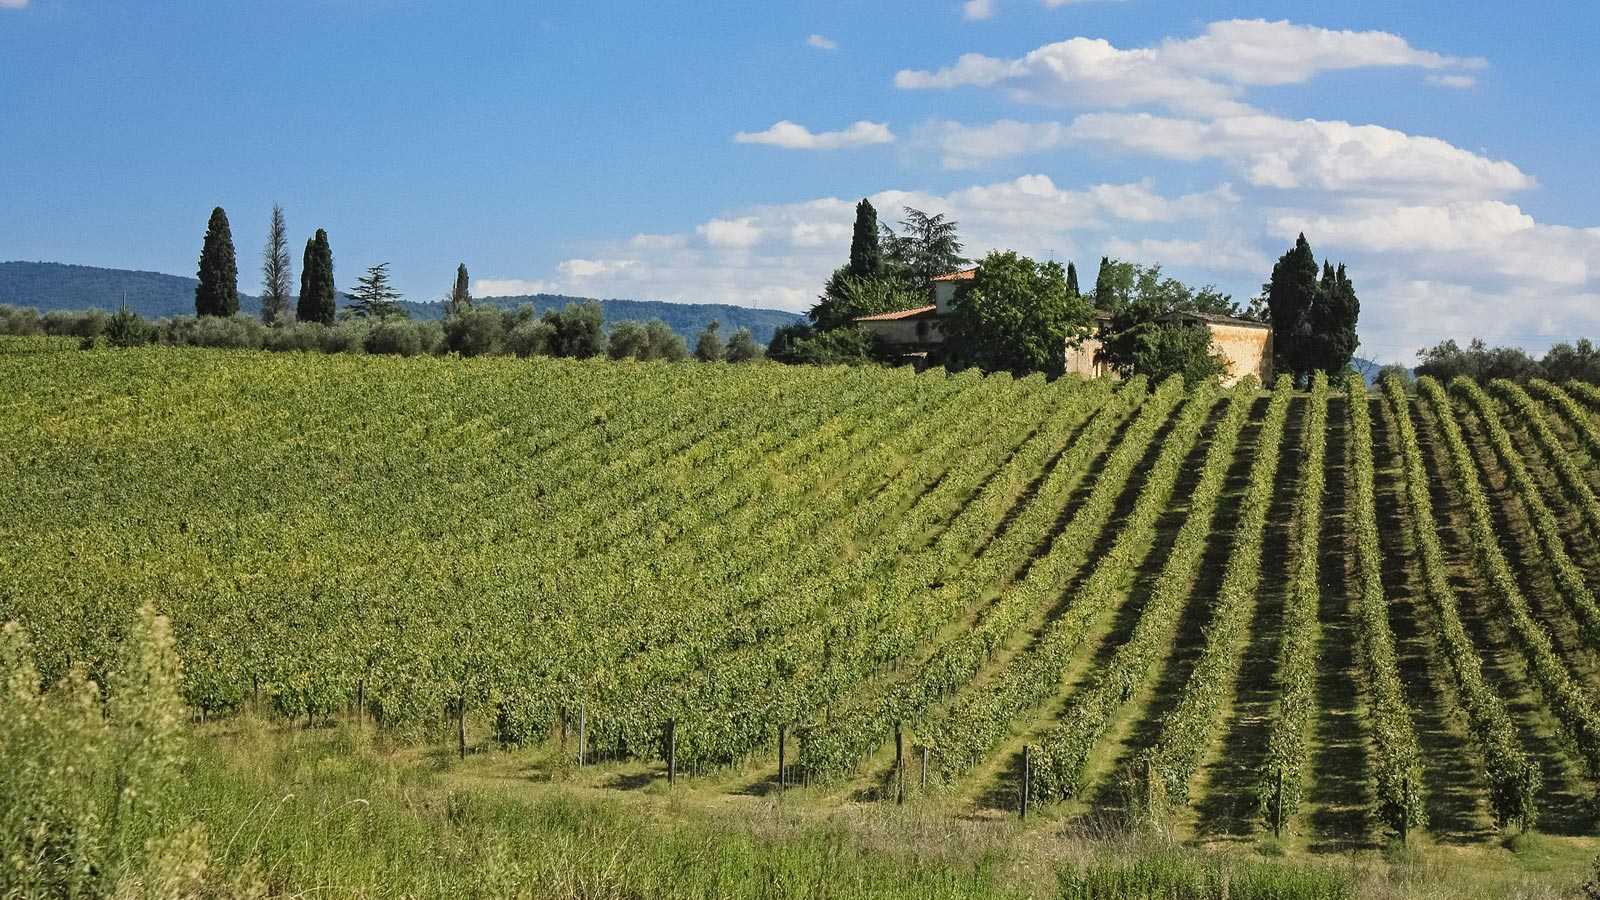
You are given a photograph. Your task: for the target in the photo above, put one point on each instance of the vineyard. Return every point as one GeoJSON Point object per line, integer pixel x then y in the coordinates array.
{"type": "Point", "coordinates": [1338, 616]}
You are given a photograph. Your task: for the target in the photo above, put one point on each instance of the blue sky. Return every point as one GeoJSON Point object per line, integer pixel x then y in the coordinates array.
{"type": "Point", "coordinates": [714, 152]}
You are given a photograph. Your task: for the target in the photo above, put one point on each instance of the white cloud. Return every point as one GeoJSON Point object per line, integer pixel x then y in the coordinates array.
{"type": "Point", "coordinates": [791, 136]}
{"type": "Point", "coordinates": [1280, 153]}
{"type": "Point", "coordinates": [966, 147]}
{"type": "Point", "coordinates": [1223, 254]}
{"type": "Point", "coordinates": [977, 10]}
{"type": "Point", "coordinates": [1403, 315]}
{"type": "Point", "coordinates": [1204, 75]}
{"type": "Point", "coordinates": [779, 255]}
{"type": "Point", "coordinates": [510, 287]}
{"type": "Point", "coordinates": [1487, 238]}
{"type": "Point", "coordinates": [1453, 81]}
{"type": "Point", "coordinates": [822, 43]}
{"type": "Point", "coordinates": [13, 4]}
{"type": "Point", "coordinates": [731, 232]}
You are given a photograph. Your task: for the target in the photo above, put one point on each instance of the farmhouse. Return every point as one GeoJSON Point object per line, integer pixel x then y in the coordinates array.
{"type": "Point", "coordinates": [917, 336]}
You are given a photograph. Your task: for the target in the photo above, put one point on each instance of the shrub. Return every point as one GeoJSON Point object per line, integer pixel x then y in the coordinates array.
{"type": "Point", "coordinates": [20, 321]}
{"type": "Point", "coordinates": [396, 337]}
{"type": "Point", "coordinates": [476, 332]}
{"type": "Point", "coordinates": [127, 329]}
{"type": "Point", "coordinates": [532, 337]}
{"type": "Point", "coordinates": [345, 337]}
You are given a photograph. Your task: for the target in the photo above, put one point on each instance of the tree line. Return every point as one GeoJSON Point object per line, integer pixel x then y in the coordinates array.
{"type": "Point", "coordinates": [374, 320]}
{"type": "Point", "coordinates": [1019, 315]}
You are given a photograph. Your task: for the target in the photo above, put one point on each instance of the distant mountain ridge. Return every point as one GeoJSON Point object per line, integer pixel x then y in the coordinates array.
{"type": "Point", "coordinates": [48, 286]}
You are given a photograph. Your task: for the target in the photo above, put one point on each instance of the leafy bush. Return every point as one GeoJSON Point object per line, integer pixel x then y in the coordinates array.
{"type": "Point", "coordinates": [395, 337]}
{"type": "Point", "coordinates": [476, 332]}
{"type": "Point", "coordinates": [127, 329]}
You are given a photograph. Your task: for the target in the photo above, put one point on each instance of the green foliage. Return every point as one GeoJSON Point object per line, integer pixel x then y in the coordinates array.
{"type": "Point", "coordinates": [1016, 316]}
{"type": "Point", "coordinates": [1175, 875]}
{"type": "Point", "coordinates": [1397, 760]}
{"type": "Point", "coordinates": [926, 247]}
{"type": "Point", "coordinates": [1313, 319]}
{"type": "Point", "coordinates": [88, 782]}
{"type": "Point", "coordinates": [1136, 293]}
{"type": "Point", "coordinates": [742, 347]}
{"type": "Point", "coordinates": [1072, 280]}
{"type": "Point", "coordinates": [709, 346]}
{"type": "Point", "coordinates": [1447, 360]}
{"type": "Point", "coordinates": [277, 279]}
{"type": "Point", "coordinates": [217, 294]}
{"type": "Point", "coordinates": [460, 297]}
{"type": "Point", "coordinates": [799, 344]}
{"type": "Point", "coordinates": [393, 337]}
{"type": "Point", "coordinates": [126, 329]}
{"type": "Point", "coordinates": [1288, 744]}
{"type": "Point", "coordinates": [374, 297]}
{"type": "Point", "coordinates": [1573, 707]}
{"type": "Point", "coordinates": [1063, 753]}
{"type": "Point", "coordinates": [1160, 350]}
{"type": "Point", "coordinates": [1188, 728]}
{"type": "Point", "coordinates": [577, 331]}
{"type": "Point", "coordinates": [318, 297]}
{"type": "Point", "coordinates": [1514, 779]}
{"type": "Point", "coordinates": [846, 297]}
{"type": "Point", "coordinates": [866, 257]}
{"type": "Point", "coordinates": [477, 332]}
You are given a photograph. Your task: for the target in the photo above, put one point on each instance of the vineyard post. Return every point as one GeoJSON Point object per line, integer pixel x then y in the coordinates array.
{"type": "Point", "coordinates": [783, 772]}
{"type": "Point", "coordinates": [563, 728]}
{"type": "Point", "coordinates": [1405, 812]}
{"type": "Point", "coordinates": [672, 751]}
{"type": "Point", "coordinates": [582, 731]}
{"type": "Point", "coordinates": [461, 725]}
{"type": "Point", "coordinates": [924, 767]}
{"type": "Point", "coordinates": [1277, 806]}
{"type": "Point", "coordinates": [1027, 779]}
{"type": "Point", "coordinates": [255, 691]}
{"type": "Point", "coordinates": [899, 766]}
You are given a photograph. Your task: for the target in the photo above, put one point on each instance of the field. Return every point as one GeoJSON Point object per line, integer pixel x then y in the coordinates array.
{"type": "Point", "coordinates": [1338, 626]}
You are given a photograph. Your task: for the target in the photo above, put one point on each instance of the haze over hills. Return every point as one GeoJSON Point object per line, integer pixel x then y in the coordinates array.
{"type": "Point", "coordinates": [48, 286]}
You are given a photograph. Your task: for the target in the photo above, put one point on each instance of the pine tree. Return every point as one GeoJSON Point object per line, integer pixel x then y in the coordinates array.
{"type": "Point", "coordinates": [318, 297]}
{"type": "Point", "coordinates": [866, 257]}
{"type": "Point", "coordinates": [460, 297]}
{"type": "Point", "coordinates": [218, 291]}
{"type": "Point", "coordinates": [1072, 280]}
{"type": "Point", "coordinates": [1291, 295]}
{"type": "Point", "coordinates": [374, 296]}
{"type": "Point", "coordinates": [277, 278]}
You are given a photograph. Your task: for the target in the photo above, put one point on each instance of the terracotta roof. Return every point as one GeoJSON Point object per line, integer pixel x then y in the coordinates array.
{"type": "Point", "coordinates": [963, 275]}
{"type": "Point", "coordinates": [898, 314]}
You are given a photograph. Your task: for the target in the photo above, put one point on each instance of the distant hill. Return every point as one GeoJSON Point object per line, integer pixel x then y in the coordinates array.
{"type": "Point", "coordinates": [1369, 369]}
{"type": "Point", "coordinates": [48, 286]}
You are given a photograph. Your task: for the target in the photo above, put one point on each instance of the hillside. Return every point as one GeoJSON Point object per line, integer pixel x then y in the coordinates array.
{"type": "Point", "coordinates": [1353, 614]}
{"type": "Point", "coordinates": [48, 286]}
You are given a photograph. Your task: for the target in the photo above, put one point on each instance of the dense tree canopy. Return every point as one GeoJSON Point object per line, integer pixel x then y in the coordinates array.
{"type": "Point", "coordinates": [1017, 316]}
{"type": "Point", "coordinates": [866, 257]}
{"type": "Point", "coordinates": [926, 246]}
{"type": "Point", "coordinates": [1313, 318]}
{"type": "Point", "coordinates": [709, 346]}
{"type": "Point", "coordinates": [218, 291]}
{"type": "Point", "coordinates": [460, 299]}
{"type": "Point", "coordinates": [318, 297]}
{"type": "Point", "coordinates": [1159, 350]}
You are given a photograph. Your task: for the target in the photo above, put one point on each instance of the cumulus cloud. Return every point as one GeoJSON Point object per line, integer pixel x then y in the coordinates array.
{"type": "Point", "coordinates": [977, 10]}
{"type": "Point", "coordinates": [1488, 238]}
{"type": "Point", "coordinates": [1226, 253]}
{"type": "Point", "coordinates": [965, 147]}
{"type": "Point", "coordinates": [13, 4]}
{"type": "Point", "coordinates": [822, 43]}
{"type": "Point", "coordinates": [1452, 81]}
{"type": "Point", "coordinates": [1204, 75]}
{"type": "Point", "coordinates": [791, 136]}
{"type": "Point", "coordinates": [1402, 315]}
{"type": "Point", "coordinates": [1281, 153]}
{"type": "Point", "coordinates": [778, 255]}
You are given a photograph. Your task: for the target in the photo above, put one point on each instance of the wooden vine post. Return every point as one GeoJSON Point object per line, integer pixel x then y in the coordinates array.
{"type": "Point", "coordinates": [783, 768]}
{"type": "Point", "coordinates": [672, 751]}
{"type": "Point", "coordinates": [1027, 780]}
{"type": "Point", "coordinates": [899, 766]}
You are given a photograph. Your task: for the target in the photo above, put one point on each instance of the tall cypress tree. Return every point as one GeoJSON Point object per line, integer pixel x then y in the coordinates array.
{"type": "Point", "coordinates": [866, 257]}
{"type": "Point", "coordinates": [317, 294]}
{"type": "Point", "coordinates": [1292, 294]}
{"type": "Point", "coordinates": [1334, 321]}
{"type": "Point", "coordinates": [218, 291]}
{"type": "Point", "coordinates": [1072, 280]}
{"type": "Point", "coordinates": [460, 296]}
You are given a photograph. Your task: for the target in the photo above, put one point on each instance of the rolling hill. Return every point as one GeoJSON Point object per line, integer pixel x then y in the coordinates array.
{"type": "Point", "coordinates": [49, 286]}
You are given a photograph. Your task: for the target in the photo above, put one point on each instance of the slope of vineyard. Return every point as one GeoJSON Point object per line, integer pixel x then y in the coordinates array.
{"type": "Point", "coordinates": [1346, 615]}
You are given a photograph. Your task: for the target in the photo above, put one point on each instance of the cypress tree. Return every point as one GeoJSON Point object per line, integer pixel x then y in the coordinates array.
{"type": "Point", "coordinates": [460, 296]}
{"type": "Point", "coordinates": [1072, 280]}
{"type": "Point", "coordinates": [317, 294]}
{"type": "Point", "coordinates": [866, 257]}
{"type": "Point", "coordinates": [1291, 295]}
{"type": "Point", "coordinates": [1102, 284]}
{"type": "Point", "coordinates": [218, 291]}
{"type": "Point", "coordinates": [1334, 321]}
